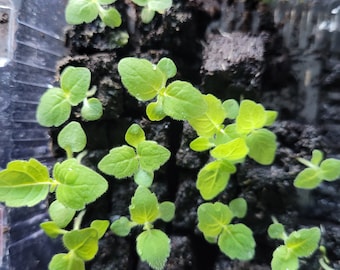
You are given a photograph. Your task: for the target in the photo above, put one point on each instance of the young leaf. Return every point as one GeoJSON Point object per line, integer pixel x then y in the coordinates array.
{"type": "Point", "coordinates": [84, 243]}
{"type": "Point", "coordinates": [154, 111]}
{"type": "Point", "coordinates": [141, 3]}
{"type": "Point", "coordinates": [159, 5]}
{"type": "Point", "coordinates": [100, 226]}
{"type": "Point", "coordinates": [167, 211]}
{"type": "Point", "coordinates": [121, 162]}
{"type": "Point", "coordinates": [61, 214]}
{"type": "Point", "coordinates": [147, 14]}
{"type": "Point", "coordinates": [144, 206]}
{"type": "Point", "coordinates": [237, 242]}
{"type": "Point", "coordinates": [134, 135]}
{"type": "Point", "coordinates": [231, 108]}
{"type": "Point", "coordinates": [308, 178]}
{"type": "Point", "coordinates": [168, 67]}
{"type": "Point", "coordinates": [78, 185]}
{"type": "Point", "coordinates": [140, 77]}
{"type": "Point", "coordinates": [317, 157]}
{"type": "Point", "coordinates": [121, 226]}
{"type": "Point", "coordinates": [330, 169]}
{"type": "Point", "coordinates": [284, 259]}
{"type": "Point", "coordinates": [251, 116]}
{"type": "Point", "coordinates": [72, 137]}
{"type": "Point", "coordinates": [79, 11]}
{"type": "Point", "coordinates": [271, 117]}
{"type": "Point", "coordinates": [152, 155]}
{"type": "Point", "coordinates": [110, 17]}
{"type": "Point", "coordinates": [239, 207]}
{"type": "Point", "coordinates": [68, 261]}
{"type": "Point", "coordinates": [92, 109]}
{"type": "Point", "coordinates": [106, 2]}
{"type": "Point", "coordinates": [262, 146]}
{"type": "Point", "coordinates": [182, 101]}
{"type": "Point", "coordinates": [232, 151]}
{"type": "Point", "coordinates": [143, 178]}
{"type": "Point", "coordinates": [276, 231]}
{"type": "Point", "coordinates": [213, 217]}
{"type": "Point", "coordinates": [201, 144]}
{"type": "Point", "coordinates": [51, 229]}
{"type": "Point", "coordinates": [153, 246]}
{"type": "Point", "coordinates": [24, 183]}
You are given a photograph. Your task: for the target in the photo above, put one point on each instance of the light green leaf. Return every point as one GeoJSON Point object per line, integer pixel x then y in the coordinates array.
{"type": "Point", "coordinates": [84, 243]}
{"type": "Point", "coordinates": [51, 229]}
{"type": "Point", "coordinates": [167, 211]}
{"type": "Point", "coordinates": [304, 242]}
{"type": "Point", "coordinates": [152, 155]}
{"type": "Point", "coordinates": [317, 157]}
{"type": "Point", "coordinates": [140, 2]}
{"type": "Point", "coordinates": [330, 169]}
{"type": "Point", "coordinates": [79, 11]}
{"type": "Point", "coordinates": [239, 207]}
{"type": "Point", "coordinates": [154, 111]}
{"type": "Point", "coordinates": [92, 109]}
{"type": "Point", "coordinates": [276, 231]}
{"type": "Point", "coordinates": [251, 116]}
{"type": "Point", "coordinates": [168, 67]}
{"type": "Point", "coordinates": [309, 178]}
{"type": "Point", "coordinates": [153, 246]}
{"type": "Point", "coordinates": [61, 214]}
{"type": "Point", "coordinates": [201, 144]}
{"type": "Point", "coordinates": [106, 2]}
{"type": "Point", "coordinates": [53, 108]}
{"type": "Point", "coordinates": [121, 226]}
{"type": "Point", "coordinates": [72, 137]}
{"type": "Point", "coordinates": [68, 261]}
{"type": "Point", "coordinates": [212, 218]}
{"type": "Point", "coordinates": [231, 107]}
{"type": "Point", "coordinates": [159, 5]}
{"type": "Point", "coordinates": [75, 82]}
{"type": "Point", "coordinates": [271, 117]}
{"type": "Point", "coordinates": [121, 162]}
{"type": "Point", "coordinates": [232, 151]}
{"type": "Point", "coordinates": [213, 179]}
{"type": "Point", "coordinates": [110, 17]}
{"type": "Point", "coordinates": [24, 183]}
{"type": "Point", "coordinates": [144, 206]}
{"type": "Point", "coordinates": [143, 178]}
{"type": "Point", "coordinates": [210, 122]}
{"type": "Point", "coordinates": [147, 14]}
{"type": "Point", "coordinates": [262, 146]}
{"type": "Point", "coordinates": [237, 242]}
{"type": "Point", "coordinates": [140, 77]}
{"type": "Point", "coordinates": [182, 101]}
{"type": "Point", "coordinates": [100, 226]}
{"type": "Point", "coordinates": [134, 135]}
{"type": "Point", "coordinates": [78, 185]}
{"type": "Point", "coordinates": [284, 259]}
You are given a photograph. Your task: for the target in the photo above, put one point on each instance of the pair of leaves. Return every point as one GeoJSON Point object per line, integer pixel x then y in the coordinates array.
{"type": "Point", "coordinates": [145, 81]}
{"type": "Point", "coordinates": [140, 159]}
{"type": "Point", "coordinates": [317, 171]}
{"type": "Point", "coordinates": [234, 240]}
{"type": "Point", "coordinates": [298, 244]}
{"type": "Point", "coordinates": [152, 6]}
{"type": "Point", "coordinates": [56, 103]}
{"type": "Point", "coordinates": [80, 11]}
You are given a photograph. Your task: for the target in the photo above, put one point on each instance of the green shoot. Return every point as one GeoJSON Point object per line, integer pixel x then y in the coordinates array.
{"type": "Point", "coordinates": [152, 6]}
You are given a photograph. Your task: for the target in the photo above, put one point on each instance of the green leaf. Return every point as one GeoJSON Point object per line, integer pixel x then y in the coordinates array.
{"type": "Point", "coordinates": [182, 101]}
{"type": "Point", "coordinates": [68, 261]}
{"type": "Point", "coordinates": [100, 226]}
{"type": "Point", "coordinates": [309, 178]}
{"type": "Point", "coordinates": [75, 82]}
{"type": "Point", "coordinates": [304, 242]}
{"type": "Point", "coordinates": [159, 5]}
{"type": "Point", "coordinates": [78, 185]}
{"type": "Point", "coordinates": [144, 206]}
{"type": "Point", "coordinates": [212, 218]}
{"type": "Point", "coordinates": [140, 77]}
{"type": "Point", "coordinates": [143, 178]}
{"type": "Point", "coordinates": [110, 17]}
{"type": "Point", "coordinates": [61, 214]}
{"type": "Point", "coordinates": [284, 259]}
{"type": "Point", "coordinates": [121, 162]}
{"type": "Point", "coordinates": [239, 207]}
{"type": "Point", "coordinates": [262, 146]}
{"type": "Point", "coordinates": [317, 157]}
{"type": "Point", "coordinates": [24, 183]}
{"type": "Point", "coordinates": [168, 67]}
{"type": "Point", "coordinates": [106, 2]}
{"type": "Point", "coordinates": [232, 151]}
{"type": "Point", "coordinates": [201, 144]}
{"type": "Point", "coordinates": [72, 137]}
{"type": "Point", "coordinates": [276, 231]}
{"type": "Point", "coordinates": [167, 211]}
{"type": "Point", "coordinates": [134, 135]}
{"type": "Point", "coordinates": [271, 117]}
{"type": "Point", "coordinates": [251, 116]}
{"type": "Point", "coordinates": [92, 109]}
{"type": "Point", "coordinates": [330, 169]}
{"type": "Point", "coordinates": [237, 242]}
{"type": "Point", "coordinates": [51, 229]}
{"type": "Point", "coordinates": [53, 108]}
{"type": "Point", "coordinates": [153, 246]}
{"type": "Point", "coordinates": [213, 179]}
{"type": "Point", "coordinates": [152, 155]}
{"type": "Point", "coordinates": [231, 108]}
{"type": "Point", "coordinates": [210, 122]}
{"type": "Point", "coordinates": [121, 226]}
{"type": "Point", "coordinates": [154, 111]}
{"type": "Point", "coordinates": [147, 14]}
{"type": "Point", "coordinates": [84, 243]}
{"type": "Point", "coordinates": [141, 3]}
{"type": "Point", "coordinates": [79, 11]}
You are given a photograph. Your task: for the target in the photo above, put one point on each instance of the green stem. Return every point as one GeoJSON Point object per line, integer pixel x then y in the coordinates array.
{"type": "Point", "coordinates": [307, 163]}
{"type": "Point", "coordinates": [78, 220]}
{"type": "Point", "coordinates": [69, 153]}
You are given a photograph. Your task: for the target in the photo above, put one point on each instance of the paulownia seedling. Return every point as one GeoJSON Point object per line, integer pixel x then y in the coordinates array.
{"type": "Point", "coordinates": [153, 245]}
{"type": "Point", "coordinates": [56, 103]}
{"type": "Point", "coordinates": [150, 7]}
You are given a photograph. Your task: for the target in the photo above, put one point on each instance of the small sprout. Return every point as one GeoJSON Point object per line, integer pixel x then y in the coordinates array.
{"type": "Point", "coordinates": [318, 170]}
{"type": "Point", "coordinates": [61, 214]}
{"type": "Point", "coordinates": [152, 6]}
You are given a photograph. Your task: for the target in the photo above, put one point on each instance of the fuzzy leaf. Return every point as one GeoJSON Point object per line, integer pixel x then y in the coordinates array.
{"type": "Point", "coordinates": [100, 226]}
{"type": "Point", "coordinates": [111, 17]}
{"type": "Point", "coordinates": [276, 231]}
{"type": "Point", "coordinates": [154, 111]}
{"type": "Point", "coordinates": [79, 11]}
{"type": "Point", "coordinates": [304, 242]}
{"type": "Point", "coordinates": [239, 207]}
{"type": "Point", "coordinates": [251, 116]}
{"type": "Point", "coordinates": [121, 162]}
{"type": "Point", "coordinates": [284, 259]}
{"type": "Point", "coordinates": [309, 178]}
{"type": "Point", "coordinates": [24, 183]}
{"type": "Point", "coordinates": [121, 226]}
{"type": "Point", "coordinates": [330, 169]}
{"type": "Point", "coordinates": [72, 137]}
{"type": "Point", "coordinates": [167, 211]}
{"type": "Point", "coordinates": [143, 178]}
{"type": "Point", "coordinates": [134, 135]}
{"type": "Point", "coordinates": [64, 261]}
{"type": "Point", "coordinates": [168, 67]}
{"type": "Point", "coordinates": [153, 246]}
{"type": "Point", "coordinates": [92, 109]}
{"type": "Point", "coordinates": [61, 214]}
{"type": "Point", "coordinates": [231, 108]}
{"type": "Point", "coordinates": [201, 144]}
{"type": "Point", "coordinates": [232, 151]}
{"type": "Point", "coordinates": [51, 229]}
{"type": "Point", "coordinates": [152, 155]}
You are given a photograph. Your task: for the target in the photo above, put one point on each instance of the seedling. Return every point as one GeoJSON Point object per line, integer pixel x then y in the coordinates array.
{"type": "Point", "coordinates": [234, 240]}
{"type": "Point", "coordinates": [153, 245]}
{"type": "Point", "coordinates": [150, 7]}
{"type": "Point", "coordinates": [86, 11]}
{"type": "Point", "coordinates": [298, 244]}
{"type": "Point", "coordinates": [56, 103]}
{"type": "Point", "coordinates": [140, 159]}
{"type": "Point", "coordinates": [318, 169]}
